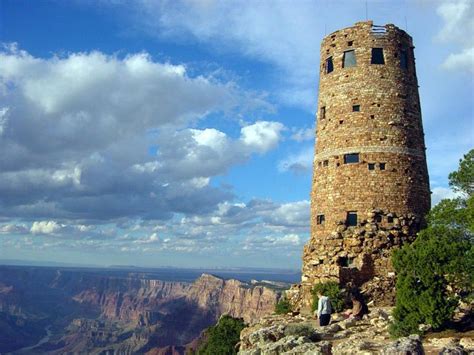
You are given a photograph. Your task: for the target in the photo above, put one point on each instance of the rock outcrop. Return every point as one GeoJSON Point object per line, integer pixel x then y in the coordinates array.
{"type": "Point", "coordinates": [300, 334]}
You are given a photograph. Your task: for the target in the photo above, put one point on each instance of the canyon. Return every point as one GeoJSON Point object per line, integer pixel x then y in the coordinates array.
{"type": "Point", "coordinates": [58, 310]}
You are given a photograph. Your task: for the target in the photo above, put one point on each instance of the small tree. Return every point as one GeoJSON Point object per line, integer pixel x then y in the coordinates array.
{"type": "Point", "coordinates": [223, 337]}
{"type": "Point", "coordinates": [437, 270]}
{"type": "Point", "coordinates": [332, 290]}
{"type": "Point", "coordinates": [283, 306]}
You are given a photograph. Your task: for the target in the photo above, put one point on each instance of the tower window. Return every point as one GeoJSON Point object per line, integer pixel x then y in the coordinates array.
{"type": "Point", "coordinates": [351, 219]}
{"type": "Point", "coordinates": [350, 43]}
{"type": "Point", "coordinates": [403, 59]}
{"type": "Point", "coordinates": [325, 162]}
{"type": "Point", "coordinates": [320, 219]}
{"type": "Point", "coordinates": [345, 261]}
{"type": "Point", "coordinates": [322, 113]}
{"type": "Point", "coordinates": [355, 108]}
{"type": "Point", "coordinates": [351, 158]}
{"type": "Point", "coordinates": [371, 166]}
{"type": "Point", "coordinates": [378, 218]}
{"type": "Point", "coordinates": [349, 59]}
{"type": "Point", "coordinates": [329, 65]}
{"type": "Point", "coordinates": [377, 56]}
{"type": "Point", "coordinates": [390, 219]}
{"type": "Point", "coordinates": [382, 166]}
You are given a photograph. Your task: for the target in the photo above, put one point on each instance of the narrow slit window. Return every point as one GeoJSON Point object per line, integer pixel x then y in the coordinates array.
{"type": "Point", "coordinates": [329, 65]}
{"type": "Point", "coordinates": [355, 108]}
{"type": "Point", "coordinates": [377, 56]}
{"type": "Point", "coordinates": [320, 219]}
{"type": "Point", "coordinates": [403, 59]}
{"type": "Point", "coordinates": [378, 218]}
{"type": "Point", "coordinates": [325, 162]}
{"type": "Point", "coordinates": [349, 59]}
{"type": "Point", "coordinates": [371, 166]}
{"type": "Point", "coordinates": [322, 113]}
{"type": "Point", "coordinates": [382, 166]}
{"type": "Point", "coordinates": [351, 158]}
{"type": "Point", "coordinates": [351, 219]}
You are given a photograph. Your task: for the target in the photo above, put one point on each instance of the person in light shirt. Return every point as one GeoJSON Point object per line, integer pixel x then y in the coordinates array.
{"type": "Point", "coordinates": [324, 309]}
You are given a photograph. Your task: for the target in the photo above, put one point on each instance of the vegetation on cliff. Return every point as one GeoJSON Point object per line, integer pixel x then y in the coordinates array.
{"type": "Point", "coordinates": [332, 290]}
{"type": "Point", "coordinates": [437, 270]}
{"type": "Point", "coordinates": [223, 337]}
{"type": "Point", "coordinates": [283, 306]}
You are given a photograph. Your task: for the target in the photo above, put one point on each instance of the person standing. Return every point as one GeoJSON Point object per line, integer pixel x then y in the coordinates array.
{"type": "Point", "coordinates": [324, 309]}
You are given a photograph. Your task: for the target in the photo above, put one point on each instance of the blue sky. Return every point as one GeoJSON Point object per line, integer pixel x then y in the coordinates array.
{"type": "Point", "coordinates": [181, 133]}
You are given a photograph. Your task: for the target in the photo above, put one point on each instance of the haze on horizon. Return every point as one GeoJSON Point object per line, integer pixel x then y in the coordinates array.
{"type": "Point", "coordinates": [181, 133]}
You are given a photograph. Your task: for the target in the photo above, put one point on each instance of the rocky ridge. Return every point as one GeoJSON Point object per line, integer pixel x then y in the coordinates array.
{"type": "Point", "coordinates": [300, 334]}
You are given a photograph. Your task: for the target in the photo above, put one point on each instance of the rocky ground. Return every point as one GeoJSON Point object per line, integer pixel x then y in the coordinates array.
{"type": "Point", "coordinates": [287, 334]}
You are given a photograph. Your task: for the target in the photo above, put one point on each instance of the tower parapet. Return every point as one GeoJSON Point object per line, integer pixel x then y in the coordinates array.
{"type": "Point", "coordinates": [370, 188]}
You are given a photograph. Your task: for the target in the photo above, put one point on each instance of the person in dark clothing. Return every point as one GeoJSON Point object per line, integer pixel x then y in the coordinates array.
{"type": "Point", "coordinates": [359, 308]}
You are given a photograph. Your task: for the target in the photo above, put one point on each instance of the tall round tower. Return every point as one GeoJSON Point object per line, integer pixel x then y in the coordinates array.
{"type": "Point", "coordinates": [370, 189]}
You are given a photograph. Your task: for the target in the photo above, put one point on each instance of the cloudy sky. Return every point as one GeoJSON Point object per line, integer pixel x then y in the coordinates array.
{"type": "Point", "coordinates": [181, 133]}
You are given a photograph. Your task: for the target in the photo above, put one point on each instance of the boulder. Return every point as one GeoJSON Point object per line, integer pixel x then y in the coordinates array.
{"type": "Point", "coordinates": [410, 345]}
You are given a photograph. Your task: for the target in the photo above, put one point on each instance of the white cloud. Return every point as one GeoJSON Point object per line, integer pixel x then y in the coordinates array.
{"type": "Point", "coordinates": [262, 136]}
{"type": "Point", "coordinates": [301, 162]}
{"type": "Point", "coordinates": [461, 61]}
{"type": "Point", "coordinates": [440, 193]}
{"type": "Point", "coordinates": [13, 228]}
{"type": "Point", "coordinates": [45, 227]}
{"type": "Point", "coordinates": [458, 28]}
{"type": "Point", "coordinates": [303, 134]}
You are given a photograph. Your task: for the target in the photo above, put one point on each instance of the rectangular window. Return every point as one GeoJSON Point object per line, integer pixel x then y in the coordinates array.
{"type": "Point", "coordinates": [351, 158]}
{"type": "Point", "coordinates": [320, 219]}
{"type": "Point", "coordinates": [350, 43]}
{"type": "Point", "coordinates": [378, 218]}
{"type": "Point", "coordinates": [329, 65]}
{"type": "Point", "coordinates": [326, 163]}
{"type": "Point", "coordinates": [345, 261]}
{"type": "Point", "coordinates": [355, 108]}
{"type": "Point", "coordinates": [371, 166]}
{"type": "Point", "coordinates": [390, 219]}
{"type": "Point", "coordinates": [382, 166]}
{"type": "Point", "coordinates": [351, 219]}
{"type": "Point", "coordinates": [404, 60]}
{"type": "Point", "coordinates": [349, 59]}
{"type": "Point", "coordinates": [322, 113]}
{"type": "Point", "coordinates": [377, 56]}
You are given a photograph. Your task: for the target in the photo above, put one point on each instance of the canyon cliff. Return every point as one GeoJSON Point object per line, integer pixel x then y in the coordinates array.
{"type": "Point", "coordinates": [84, 311]}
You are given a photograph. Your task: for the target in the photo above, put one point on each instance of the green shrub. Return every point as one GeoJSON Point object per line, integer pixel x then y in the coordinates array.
{"type": "Point", "coordinates": [332, 290]}
{"type": "Point", "coordinates": [437, 270]}
{"type": "Point", "coordinates": [223, 337]}
{"type": "Point", "coordinates": [283, 306]}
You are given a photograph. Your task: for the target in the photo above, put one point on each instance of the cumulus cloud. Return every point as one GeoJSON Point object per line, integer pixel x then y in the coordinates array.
{"type": "Point", "coordinates": [440, 193]}
{"type": "Point", "coordinates": [299, 163]}
{"type": "Point", "coordinates": [458, 27]}
{"type": "Point", "coordinates": [275, 32]}
{"type": "Point", "coordinates": [12, 228]}
{"type": "Point", "coordinates": [45, 227]}
{"type": "Point", "coordinates": [76, 132]}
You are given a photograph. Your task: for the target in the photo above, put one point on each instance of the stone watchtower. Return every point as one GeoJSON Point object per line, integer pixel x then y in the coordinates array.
{"type": "Point", "coordinates": [370, 188]}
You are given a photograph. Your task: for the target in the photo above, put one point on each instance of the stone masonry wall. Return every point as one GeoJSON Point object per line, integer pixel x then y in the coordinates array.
{"type": "Point", "coordinates": [371, 110]}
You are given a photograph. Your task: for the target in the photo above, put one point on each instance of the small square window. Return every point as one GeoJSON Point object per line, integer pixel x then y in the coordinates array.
{"type": "Point", "coordinates": [351, 219]}
{"type": "Point", "coordinates": [377, 56]}
{"type": "Point", "coordinates": [349, 59]}
{"type": "Point", "coordinates": [403, 59]}
{"type": "Point", "coordinates": [350, 43]}
{"type": "Point", "coordinates": [382, 166]}
{"type": "Point", "coordinates": [322, 113]}
{"type": "Point", "coordinates": [371, 166]}
{"type": "Point", "coordinates": [345, 261]}
{"type": "Point", "coordinates": [320, 219]}
{"type": "Point", "coordinates": [378, 218]}
{"type": "Point", "coordinates": [355, 108]}
{"type": "Point", "coordinates": [351, 158]}
{"type": "Point", "coordinates": [390, 219]}
{"type": "Point", "coordinates": [329, 65]}
{"type": "Point", "coordinates": [326, 163]}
